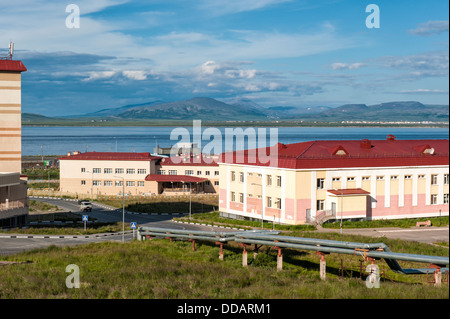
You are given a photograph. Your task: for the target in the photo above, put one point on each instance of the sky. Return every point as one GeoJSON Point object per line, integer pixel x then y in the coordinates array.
{"type": "Point", "coordinates": [303, 53]}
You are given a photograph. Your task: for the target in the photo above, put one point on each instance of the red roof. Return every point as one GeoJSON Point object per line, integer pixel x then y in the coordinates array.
{"type": "Point", "coordinates": [175, 178]}
{"type": "Point", "coordinates": [349, 191]}
{"type": "Point", "coordinates": [12, 66]}
{"type": "Point", "coordinates": [323, 154]}
{"type": "Point", "coordinates": [110, 156]}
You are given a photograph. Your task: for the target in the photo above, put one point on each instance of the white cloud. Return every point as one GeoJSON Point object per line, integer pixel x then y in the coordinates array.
{"type": "Point", "coordinates": [431, 28]}
{"type": "Point", "coordinates": [347, 66]}
{"type": "Point", "coordinates": [135, 75]}
{"type": "Point", "coordinates": [100, 75]}
{"type": "Point", "coordinates": [221, 7]}
{"type": "Point", "coordinates": [424, 91]}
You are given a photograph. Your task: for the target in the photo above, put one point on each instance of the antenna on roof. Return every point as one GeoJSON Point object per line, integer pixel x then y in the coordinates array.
{"type": "Point", "coordinates": [11, 50]}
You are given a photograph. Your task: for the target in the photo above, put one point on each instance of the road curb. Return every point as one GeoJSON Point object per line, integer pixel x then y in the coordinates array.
{"type": "Point", "coordinates": [61, 236]}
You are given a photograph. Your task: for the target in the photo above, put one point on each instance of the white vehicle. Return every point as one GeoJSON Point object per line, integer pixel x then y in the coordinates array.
{"type": "Point", "coordinates": [85, 206]}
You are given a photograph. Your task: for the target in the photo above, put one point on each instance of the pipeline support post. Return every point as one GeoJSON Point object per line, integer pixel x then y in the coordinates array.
{"type": "Point", "coordinates": [323, 265]}
{"type": "Point", "coordinates": [279, 259]}
{"type": "Point", "coordinates": [221, 250]}
{"type": "Point", "coordinates": [244, 255]}
{"type": "Point", "coordinates": [437, 275]}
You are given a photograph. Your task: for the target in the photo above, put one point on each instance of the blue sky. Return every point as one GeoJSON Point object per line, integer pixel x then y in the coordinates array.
{"type": "Point", "coordinates": [274, 52]}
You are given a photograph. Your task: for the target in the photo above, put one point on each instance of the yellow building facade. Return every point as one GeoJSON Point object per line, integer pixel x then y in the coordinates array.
{"type": "Point", "coordinates": [312, 183]}
{"type": "Point", "coordinates": [13, 189]}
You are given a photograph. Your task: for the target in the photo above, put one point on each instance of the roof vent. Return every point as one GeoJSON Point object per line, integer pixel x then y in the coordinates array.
{"type": "Point", "coordinates": [391, 137]}
{"type": "Point", "coordinates": [366, 144]}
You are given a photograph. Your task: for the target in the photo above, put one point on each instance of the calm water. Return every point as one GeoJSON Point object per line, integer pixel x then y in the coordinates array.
{"type": "Point", "coordinates": [60, 140]}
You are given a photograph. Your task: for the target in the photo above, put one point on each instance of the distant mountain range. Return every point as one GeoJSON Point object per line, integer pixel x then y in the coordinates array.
{"type": "Point", "coordinates": [208, 109]}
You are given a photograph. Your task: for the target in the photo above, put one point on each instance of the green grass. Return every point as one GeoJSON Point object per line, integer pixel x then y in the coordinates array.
{"type": "Point", "coordinates": [158, 269]}
{"type": "Point", "coordinates": [401, 223]}
{"type": "Point", "coordinates": [213, 218]}
{"type": "Point", "coordinates": [71, 229]}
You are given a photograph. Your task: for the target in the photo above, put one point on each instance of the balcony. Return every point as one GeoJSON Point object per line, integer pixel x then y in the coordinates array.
{"type": "Point", "coordinates": [9, 179]}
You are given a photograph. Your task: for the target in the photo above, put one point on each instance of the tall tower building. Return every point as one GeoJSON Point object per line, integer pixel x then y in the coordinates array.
{"type": "Point", "coordinates": [13, 190]}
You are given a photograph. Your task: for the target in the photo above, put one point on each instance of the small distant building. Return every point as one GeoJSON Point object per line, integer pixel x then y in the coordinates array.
{"type": "Point", "coordinates": [318, 180]}
{"type": "Point", "coordinates": [13, 186]}
{"type": "Point", "coordinates": [106, 173]}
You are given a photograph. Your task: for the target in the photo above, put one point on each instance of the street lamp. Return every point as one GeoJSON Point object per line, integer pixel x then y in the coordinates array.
{"type": "Point", "coordinates": [262, 204]}
{"type": "Point", "coordinates": [190, 199]}
{"type": "Point", "coordinates": [123, 207]}
{"type": "Point", "coordinates": [342, 201]}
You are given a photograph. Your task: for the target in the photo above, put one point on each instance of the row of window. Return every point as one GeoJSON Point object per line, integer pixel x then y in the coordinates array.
{"type": "Point", "coordinates": [269, 202]}
{"type": "Point", "coordinates": [434, 179]}
{"type": "Point", "coordinates": [269, 178]}
{"type": "Point", "coordinates": [187, 172]}
{"type": "Point", "coordinates": [115, 183]}
{"type": "Point", "coordinates": [140, 171]}
{"type": "Point", "coordinates": [320, 204]}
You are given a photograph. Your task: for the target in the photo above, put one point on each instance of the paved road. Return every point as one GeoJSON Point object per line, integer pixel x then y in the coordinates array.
{"type": "Point", "coordinates": [106, 214]}
{"type": "Point", "coordinates": [102, 213]}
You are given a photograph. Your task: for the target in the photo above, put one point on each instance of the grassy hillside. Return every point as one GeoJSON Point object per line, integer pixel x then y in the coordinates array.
{"type": "Point", "coordinates": [158, 269]}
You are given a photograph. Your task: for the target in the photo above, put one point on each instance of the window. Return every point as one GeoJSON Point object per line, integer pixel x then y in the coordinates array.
{"type": "Point", "coordinates": [351, 179]}
{"type": "Point", "coordinates": [108, 183]}
{"type": "Point", "coordinates": [142, 171]}
{"type": "Point", "coordinates": [131, 171]}
{"type": "Point", "coordinates": [97, 183]}
{"type": "Point", "coordinates": [83, 183]}
{"type": "Point", "coordinates": [380, 178]}
{"type": "Point", "coordinates": [434, 179]}
{"type": "Point", "coordinates": [394, 177]}
{"type": "Point", "coordinates": [216, 173]}
{"type": "Point", "coordinates": [408, 176]}
{"type": "Point", "coordinates": [269, 201]}
{"type": "Point", "coordinates": [216, 183]}
{"type": "Point", "coordinates": [130, 183]}
{"type": "Point", "coordinates": [97, 170]}
{"type": "Point", "coordinates": [207, 183]}
{"type": "Point", "coordinates": [241, 177]}
{"type": "Point", "coordinates": [199, 173]}
{"type": "Point", "coordinates": [161, 172]}
{"type": "Point", "coordinates": [207, 173]}
{"type": "Point", "coordinates": [119, 170]}
{"type": "Point", "coordinates": [141, 184]}
{"type": "Point", "coordinates": [320, 204]}
{"type": "Point", "coordinates": [421, 176]}
{"type": "Point", "coordinates": [269, 180]}
{"type": "Point", "coordinates": [233, 176]}
{"type": "Point", "coordinates": [233, 196]}
{"type": "Point", "coordinates": [336, 179]}
{"type": "Point", "coordinates": [119, 183]}
{"type": "Point", "coordinates": [320, 183]}
{"type": "Point", "coordinates": [446, 179]}
{"type": "Point", "coordinates": [434, 199]}
{"type": "Point", "coordinates": [366, 178]}
{"type": "Point", "coordinates": [250, 174]}
{"type": "Point", "coordinates": [278, 203]}
{"type": "Point", "coordinates": [83, 170]}
{"type": "Point", "coordinates": [279, 181]}
{"type": "Point", "coordinates": [189, 172]}
{"type": "Point", "coordinates": [241, 198]}
{"type": "Point", "coordinates": [446, 198]}
{"type": "Point", "coordinates": [173, 172]}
